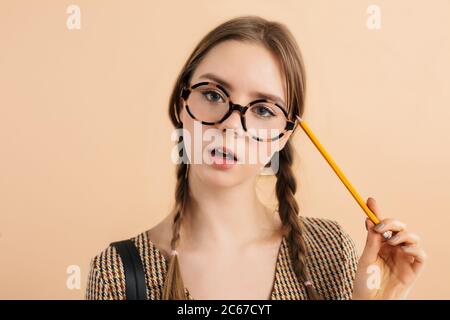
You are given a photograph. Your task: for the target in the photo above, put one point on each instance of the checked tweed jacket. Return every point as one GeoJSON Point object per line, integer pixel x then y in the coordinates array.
{"type": "Point", "coordinates": [332, 259]}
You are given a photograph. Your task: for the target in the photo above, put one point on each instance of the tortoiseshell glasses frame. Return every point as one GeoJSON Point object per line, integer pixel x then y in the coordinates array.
{"type": "Point", "coordinates": [187, 90]}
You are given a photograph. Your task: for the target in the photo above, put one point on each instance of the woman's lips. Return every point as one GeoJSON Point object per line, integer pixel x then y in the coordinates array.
{"type": "Point", "coordinates": [222, 158]}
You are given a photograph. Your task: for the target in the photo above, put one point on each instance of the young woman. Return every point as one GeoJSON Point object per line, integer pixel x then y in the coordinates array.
{"type": "Point", "coordinates": [245, 81]}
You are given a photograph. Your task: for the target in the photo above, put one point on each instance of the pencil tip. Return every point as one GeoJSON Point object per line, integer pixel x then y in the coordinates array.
{"type": "Point", "coordinates": [299, 118]}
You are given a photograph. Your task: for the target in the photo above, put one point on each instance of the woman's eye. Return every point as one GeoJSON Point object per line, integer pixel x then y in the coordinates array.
{"type": "Point", "coordinates": [213, 96]}
{"type": "Point", "coordinates": [263, 111]}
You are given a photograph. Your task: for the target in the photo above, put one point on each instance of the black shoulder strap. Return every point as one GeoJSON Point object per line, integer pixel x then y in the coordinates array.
{"type": "Point", "coordinates": [135, 285]}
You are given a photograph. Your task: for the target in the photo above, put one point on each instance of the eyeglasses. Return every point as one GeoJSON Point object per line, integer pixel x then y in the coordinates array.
{"type": "Point", "coordinates": [262, 119]}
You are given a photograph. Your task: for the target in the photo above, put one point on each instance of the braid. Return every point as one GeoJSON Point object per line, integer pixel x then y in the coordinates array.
{"type": "Point", "coordinates": [288, 209]}
{"type": "Point", "coordinates": [173, 285]}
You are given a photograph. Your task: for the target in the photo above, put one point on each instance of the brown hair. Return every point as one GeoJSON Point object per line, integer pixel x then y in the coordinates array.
{"type": "Point", "coordinates": [278, 39]}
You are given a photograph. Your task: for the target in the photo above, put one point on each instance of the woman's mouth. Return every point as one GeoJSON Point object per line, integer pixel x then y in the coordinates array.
{"type": "Point", "coordinates": [223, 158]}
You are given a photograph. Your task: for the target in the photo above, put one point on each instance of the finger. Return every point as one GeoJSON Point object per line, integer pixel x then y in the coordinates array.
{"type": "Point", "coordinates": [418, 254]}
{"type": "Point", "coordinates": [373, 243]}
{"type": "Point", "coordinates": [370, 226]}
{"type": "Point", "coordinates": [390, 225]}
{"type": "Point", "coordinates": [373, 206]}
{"type": "Point", "coordinates": [404, 237]}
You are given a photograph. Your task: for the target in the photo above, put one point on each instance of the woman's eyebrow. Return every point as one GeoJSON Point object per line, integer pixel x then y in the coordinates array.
{"type": "Point", "coordinates": [217, 79]}
{"type": "Point", "coordinates": [258, 95]}
{"type": "Point", "coordinates": [271, 97]}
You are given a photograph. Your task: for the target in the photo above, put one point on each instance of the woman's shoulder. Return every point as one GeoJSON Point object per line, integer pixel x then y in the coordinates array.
{"type": "Point", "coordinates": [327, 234]}
{"type": "Point", "coordinates": [315, 226]}
{"type": "Point", "coordinates": [106, 280]}
{"type": "Point", "coordinates": [332, 255]}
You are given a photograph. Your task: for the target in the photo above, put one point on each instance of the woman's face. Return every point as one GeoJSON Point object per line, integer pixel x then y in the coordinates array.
{"type": "Point", "coordinates": [248, 72]}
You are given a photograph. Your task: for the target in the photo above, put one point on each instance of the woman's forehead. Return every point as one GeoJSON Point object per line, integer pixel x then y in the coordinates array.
{"type": "Point", "coordinates": [244, 67]}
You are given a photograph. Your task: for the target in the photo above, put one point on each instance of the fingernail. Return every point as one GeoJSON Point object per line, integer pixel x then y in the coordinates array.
{"type": "Point", "coordinates": [379, 226]}
{"type": "Point", "coordinates": [387, 235]}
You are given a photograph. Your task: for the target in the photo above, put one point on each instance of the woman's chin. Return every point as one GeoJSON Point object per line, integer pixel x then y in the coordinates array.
{"type": "Point", "coordinates": [220, 177]}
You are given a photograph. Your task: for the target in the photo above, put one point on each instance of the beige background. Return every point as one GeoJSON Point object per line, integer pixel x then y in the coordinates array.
{"type": "Point", "coordinates": [85, 137]}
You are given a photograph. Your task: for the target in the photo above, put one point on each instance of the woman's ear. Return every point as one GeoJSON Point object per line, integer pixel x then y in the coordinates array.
{"type": "Point", "coordinates": [285, 138]}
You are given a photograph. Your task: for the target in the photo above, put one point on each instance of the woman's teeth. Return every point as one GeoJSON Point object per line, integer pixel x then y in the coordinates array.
{"type": "Point", "coordinates": [220, 153]}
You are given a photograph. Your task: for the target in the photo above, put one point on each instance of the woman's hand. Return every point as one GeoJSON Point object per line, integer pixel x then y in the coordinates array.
{"type": "Point", "coordinates": [387, 269]}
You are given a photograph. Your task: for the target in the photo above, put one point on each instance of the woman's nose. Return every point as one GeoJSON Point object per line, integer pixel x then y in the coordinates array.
{"type": "Point", "coordinates": [233, 122]}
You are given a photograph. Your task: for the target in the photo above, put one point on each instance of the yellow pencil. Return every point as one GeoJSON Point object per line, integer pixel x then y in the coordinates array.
{"type": "Point", "coordinates": [341, 175]}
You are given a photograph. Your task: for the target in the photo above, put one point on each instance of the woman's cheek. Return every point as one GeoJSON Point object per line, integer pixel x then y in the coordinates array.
{"type": "Point", "coordinates": [192, 144]}
{"type": "Point", "coordinates": [261, 153]}
{"type": "Point", "coordinates": [201, 137]}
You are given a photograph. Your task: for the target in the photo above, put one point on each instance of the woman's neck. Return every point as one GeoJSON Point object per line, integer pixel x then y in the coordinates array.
{"type": "Point", "coordinates": [226, 216]}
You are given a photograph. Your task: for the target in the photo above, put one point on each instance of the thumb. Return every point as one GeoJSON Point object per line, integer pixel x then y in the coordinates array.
{"type": "Point", "coordinates": [374, 239]}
